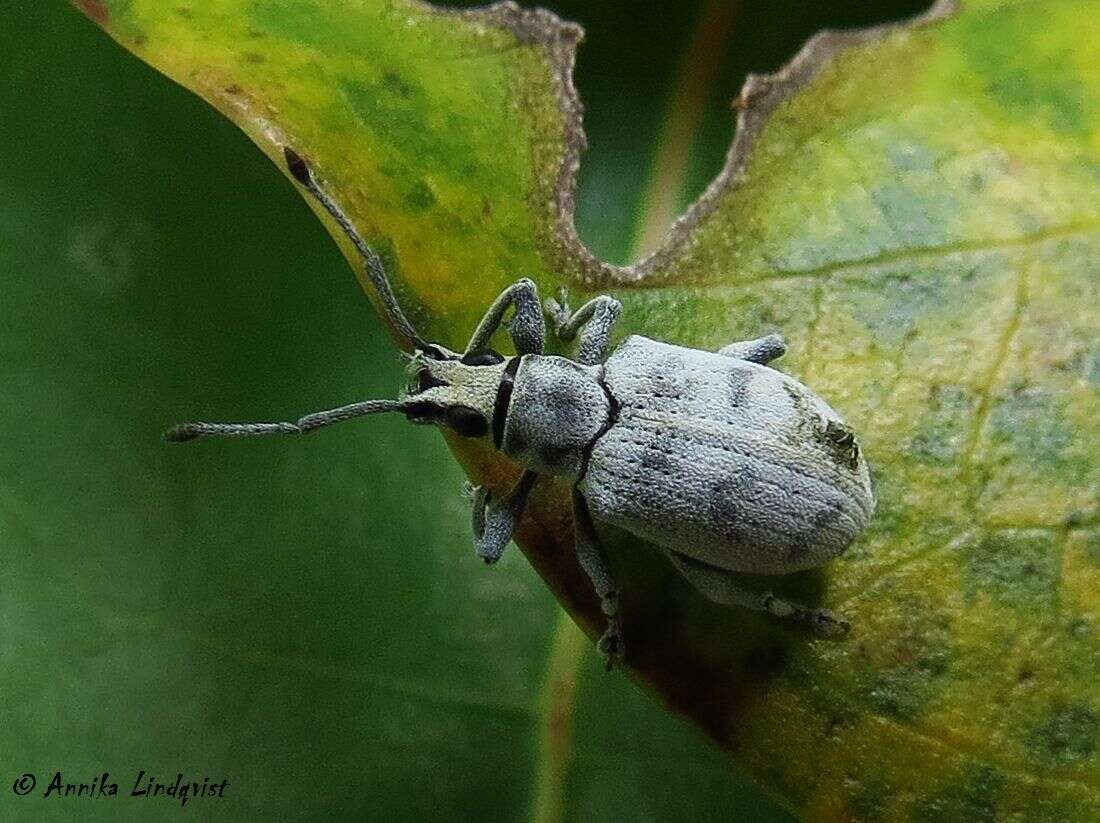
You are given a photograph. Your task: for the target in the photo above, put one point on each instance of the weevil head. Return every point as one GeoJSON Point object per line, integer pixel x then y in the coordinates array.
{"type": "Point", "coordinates": [452, 390]}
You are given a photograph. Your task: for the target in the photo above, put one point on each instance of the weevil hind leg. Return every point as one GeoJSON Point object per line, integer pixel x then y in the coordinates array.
{"type": "Point", "coordinates": [726, 588]}
{"type": "Point", "coordinates": [594, 321]}
{"type": "Point", "coordinates": [495, 521]}
{"type": "Point", "coordinates": [762, 350]}
{"type": "Point", "coordinates": [591, 557]}
{"type": "Point", "coordinates": [527, 329]}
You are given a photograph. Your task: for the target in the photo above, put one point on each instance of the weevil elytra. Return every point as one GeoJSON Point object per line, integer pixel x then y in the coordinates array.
{"type": "Point", "coordinates": [725, 463]}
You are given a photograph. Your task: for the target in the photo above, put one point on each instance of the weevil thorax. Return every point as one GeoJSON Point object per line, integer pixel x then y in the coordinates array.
{"type": "Point", "coordinates": [556, 409]}
{"type": "Point", "coordinates": [455, 391]}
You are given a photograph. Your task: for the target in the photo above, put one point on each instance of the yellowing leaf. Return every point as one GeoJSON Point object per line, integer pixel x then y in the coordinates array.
{"type": "Point", "coordinates": [915, 208]}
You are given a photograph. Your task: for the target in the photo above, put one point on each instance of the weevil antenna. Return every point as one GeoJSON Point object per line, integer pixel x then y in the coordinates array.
{"type": "Point", "coordinates": [372, 262]}
{"type": "Point", "coordinates": [192, 431]}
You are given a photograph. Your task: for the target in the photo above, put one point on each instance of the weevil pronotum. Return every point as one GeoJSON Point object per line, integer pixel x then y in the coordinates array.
{"type": "Point", "coordinates": [726, 464]}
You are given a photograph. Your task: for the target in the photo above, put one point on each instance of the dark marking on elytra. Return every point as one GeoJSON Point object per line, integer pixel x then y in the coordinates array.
{"type": "Point", "coordinates": [655, 460]}
{"type": "Point", "coordinates": [729, 496]}
{"type": "Point", "coordinates": [827, 515]}
{"type": "Point", "coordinates": [739, 380]}
{"type": "Point", "coordinates": [656, 452]}
{"type": "Point", "coordinates": [840, 441]}
{"type": "Point", "coordinates": [667, 376]}
{"type": "Point", "coordinates": [824, 518]}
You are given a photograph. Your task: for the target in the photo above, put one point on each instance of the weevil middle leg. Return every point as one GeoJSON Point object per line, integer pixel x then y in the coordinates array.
{"type": "Point", "coordinates": [591, 557]}
{"type": "Point", "coordinates": [594, 320]}
{"type": "Point", "coordinates": [725, 588]}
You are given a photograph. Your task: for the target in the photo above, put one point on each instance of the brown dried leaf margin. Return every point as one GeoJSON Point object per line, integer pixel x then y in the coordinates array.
{"type": "Point", "coordinates": [760, 97]}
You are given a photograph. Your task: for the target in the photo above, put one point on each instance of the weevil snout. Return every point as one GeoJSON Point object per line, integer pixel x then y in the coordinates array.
{"type": "Point", "coordinates": [452, 390]}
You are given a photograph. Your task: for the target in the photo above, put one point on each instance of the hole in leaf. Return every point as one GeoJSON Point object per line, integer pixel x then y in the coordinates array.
{"type": "Point", "coordinates": [657, 81]}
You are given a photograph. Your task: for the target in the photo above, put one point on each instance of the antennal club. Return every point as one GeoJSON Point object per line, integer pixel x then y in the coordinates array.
{"type": "Point", "coordinates": [299, 169]}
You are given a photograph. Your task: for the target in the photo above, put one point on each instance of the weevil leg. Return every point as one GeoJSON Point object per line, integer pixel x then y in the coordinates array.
{"type": "Point", "coordinates": [597, 316]}
{"type": "Point", "coordinates": [495, 520]}
{"type": "Point", "coordinates": [526, 327]}
{"type": "Point", "coordinates": [591, 557]}
{"type": "Point", "coordinates": [726, 588]}
{"type": "Point", "coordinates": [763, 350]}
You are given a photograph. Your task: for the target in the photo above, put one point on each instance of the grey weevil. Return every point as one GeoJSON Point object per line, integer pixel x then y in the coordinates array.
{"type": "Point", "coordinates": [726, 464]}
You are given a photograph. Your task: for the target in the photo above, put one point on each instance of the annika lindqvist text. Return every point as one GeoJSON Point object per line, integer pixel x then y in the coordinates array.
{"type": "Point", "coordinates": [102, 786]}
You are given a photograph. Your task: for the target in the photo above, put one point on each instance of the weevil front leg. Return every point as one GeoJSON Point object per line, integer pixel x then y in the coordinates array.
{"type": "Point", "coordinates": [527, 329]}
{"type": "Point", "coordinates": [597, 316]}
{"type": "Point", "coordinates": [762, 350]}
{"type": "Point", "coordinates": [495, 521]}
{"type": "Point", "coordinates": [591, 557]}
{"type": "Point", "coordinates": [724, 587]}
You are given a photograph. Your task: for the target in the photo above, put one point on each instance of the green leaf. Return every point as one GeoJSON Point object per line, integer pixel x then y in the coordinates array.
{"type": "Point", "coordinates": [914, 207]}
{"type": "Point", "coordinates": [306, 620]}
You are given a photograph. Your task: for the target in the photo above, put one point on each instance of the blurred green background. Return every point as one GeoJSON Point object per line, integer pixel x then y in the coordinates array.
{"type": "Point", "coordinates": [155, 266]}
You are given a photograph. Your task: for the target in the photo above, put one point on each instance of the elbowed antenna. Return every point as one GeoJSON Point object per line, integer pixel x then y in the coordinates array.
{"type": "Point", "coordinates": [372, 263]}
{"type": "Point", "coordinates": [192, 431]}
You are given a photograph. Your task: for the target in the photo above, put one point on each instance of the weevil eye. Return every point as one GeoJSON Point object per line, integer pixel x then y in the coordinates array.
{"type": "Point", "coordinates": [482, 357]}
{"type": "Point", "coordinates": [423, 411]}
{"type": "Point", "coordinates": [426, 380]}
{"type": "Point", "coordinates": [434, 352]}
{"type": "Point", "coordinates": [467, 422]}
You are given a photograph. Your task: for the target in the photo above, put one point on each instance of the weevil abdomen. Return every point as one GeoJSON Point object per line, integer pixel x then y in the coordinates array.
{"type": "Point", "coordinates": [726, 461]}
